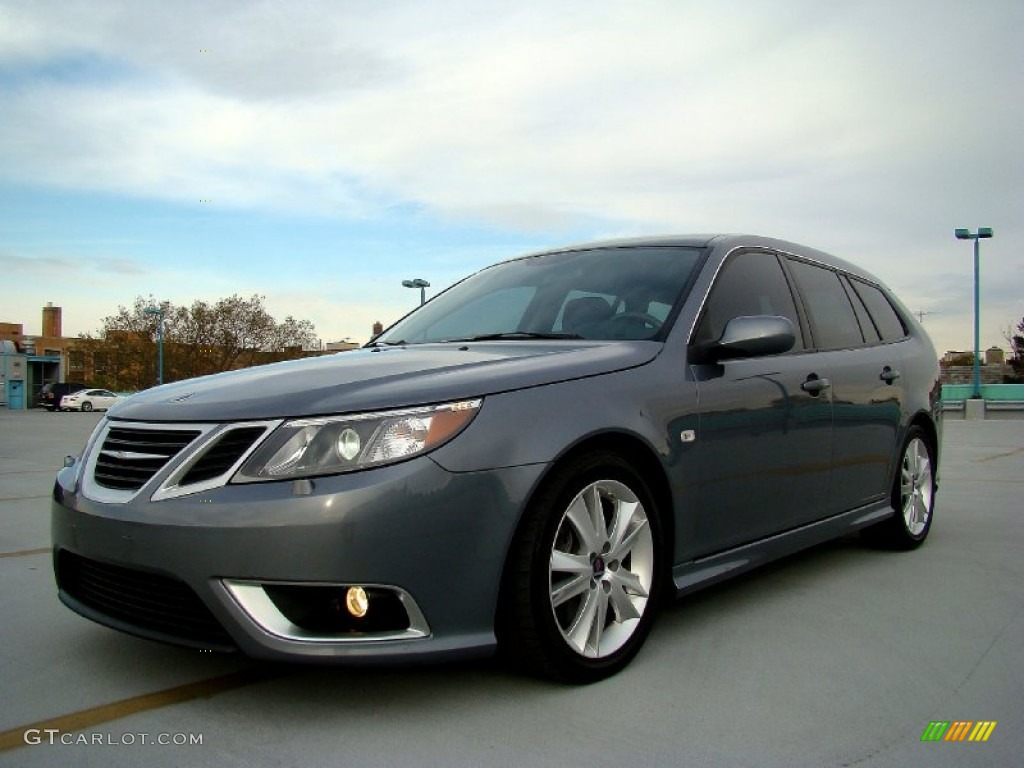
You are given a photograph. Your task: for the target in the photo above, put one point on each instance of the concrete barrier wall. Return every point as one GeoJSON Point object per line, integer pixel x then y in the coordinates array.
{"type": "Point", "coordinates": [989, 392]}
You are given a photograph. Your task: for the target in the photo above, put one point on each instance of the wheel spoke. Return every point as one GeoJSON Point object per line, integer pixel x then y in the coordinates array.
{"type": "Point", "coordinates": [629, 580]}
{"type": "Point", "coordinates": [570, 589]}
{"type": "Point", "coordinates": [913, 456]}
{"type": "Point", "coordinates": [580, 518]}
{"type": "Point", "coordinates": [622, 537]}
{"type": "Point", "coordinates": [592, 497]}
{"type": "Point", "coordinates": [600, 618]}
{"type": "Point", "coordinates": [579, 566]}
{"type": "Point", "coordinates": [906, 481]}
{"type": "Point", "coordinates": [626, 545]}
{"type": "Point", "coordinates": [621, 603]}
{"type": "Point", "coordinates": [924, 479]}
{"type": "Point", "coordinates": [565, 562]}
{"type": "Point", "coordinates": [580, 630]}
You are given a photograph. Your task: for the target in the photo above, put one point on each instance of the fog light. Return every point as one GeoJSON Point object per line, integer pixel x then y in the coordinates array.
{"type": "Point", "coordinates": [357, 602]}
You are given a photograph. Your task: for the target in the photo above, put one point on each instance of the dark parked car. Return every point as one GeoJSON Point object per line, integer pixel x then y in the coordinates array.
{"type": "Point", "coordinates": [52, 392]}
{"type": "Point", "coordinates": [529, 461]}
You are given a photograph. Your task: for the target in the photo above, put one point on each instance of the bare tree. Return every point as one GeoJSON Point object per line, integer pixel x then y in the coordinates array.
{"type": "Point", "coordinates": [205, 338]}
{"type": "Point", "coordinates": [1016, 341]}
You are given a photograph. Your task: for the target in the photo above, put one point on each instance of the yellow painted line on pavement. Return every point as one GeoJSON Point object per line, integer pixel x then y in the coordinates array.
{"type": "Point", "coordinates": [89, 718]}
{"type": "Point", "coordinates": [995, 456]}
{"type": "Point", "coordinates": [27, 552]}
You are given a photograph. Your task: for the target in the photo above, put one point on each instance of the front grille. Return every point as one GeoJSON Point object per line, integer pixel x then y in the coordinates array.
{"type": "Point", "coordinates": [147, 601]}
{"type": "Point", "coordinates": [129, 457]}
{"type": "Point", "coordinates": [220, 457]}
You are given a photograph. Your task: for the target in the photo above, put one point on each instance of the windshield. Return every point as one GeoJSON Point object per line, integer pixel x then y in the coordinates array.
{"type": "Point", "coordinates": [606, 293]}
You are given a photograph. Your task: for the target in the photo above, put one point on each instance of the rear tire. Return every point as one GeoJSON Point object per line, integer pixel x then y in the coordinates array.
{"type": "Point", "coordinates": [86, 406]}
{"type": "Point", "coordinates": [584, 572]}
{"type": "Point", "coordinates": [913, 497]}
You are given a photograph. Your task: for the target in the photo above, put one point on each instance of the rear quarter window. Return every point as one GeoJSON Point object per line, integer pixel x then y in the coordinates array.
{"type": "Point", "coordinates": [887, 320]}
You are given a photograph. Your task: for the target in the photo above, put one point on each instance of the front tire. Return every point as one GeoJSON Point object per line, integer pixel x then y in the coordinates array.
{"type": "Point", "coordinates": [584, 573]}
{"type": "Point", "coordinates": [913, 496]}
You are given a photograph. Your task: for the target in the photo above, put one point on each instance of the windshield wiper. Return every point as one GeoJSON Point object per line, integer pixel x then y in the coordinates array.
{"type": "Point", "coordinates": [515, 335]}
{"type": "Point", "coordinates": [399, 343]}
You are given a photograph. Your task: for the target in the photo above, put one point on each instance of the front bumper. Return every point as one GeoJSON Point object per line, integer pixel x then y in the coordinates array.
{"type": "Point", "coordinates": [431, 540]}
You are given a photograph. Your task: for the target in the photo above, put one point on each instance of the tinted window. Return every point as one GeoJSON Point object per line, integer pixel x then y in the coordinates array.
{"type": "Point", "coordinates": [833, 322]}
{"type": "Point", "coordinates": [580, 309]}
{"type": "Point", "coordinates": [749, 284]}
{"type": "Point", "coordinates": [604, 293]}
{"type": "Point", "coordinates": [496, 312]}
{"type": "Point", "coordinates": [867, 325]}
{"type": "Point", "coordinates": [882, 312]}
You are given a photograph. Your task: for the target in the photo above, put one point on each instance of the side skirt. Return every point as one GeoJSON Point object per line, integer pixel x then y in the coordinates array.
{"type": "Point", "coordinates": [697, 574]}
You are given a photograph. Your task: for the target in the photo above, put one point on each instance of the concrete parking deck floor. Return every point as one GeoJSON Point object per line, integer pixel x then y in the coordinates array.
{"type": "Point", "coordinates": [840, 656]}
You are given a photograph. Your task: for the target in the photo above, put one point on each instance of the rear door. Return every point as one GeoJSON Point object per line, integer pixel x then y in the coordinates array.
{"type": "Point", "coordinates": [865, 383]}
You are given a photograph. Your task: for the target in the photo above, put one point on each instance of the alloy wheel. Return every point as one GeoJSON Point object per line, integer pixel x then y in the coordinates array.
{"type": "Point", "coordinates": [601, 569]}
{"type": "Point", "coordinates": [916, 486]}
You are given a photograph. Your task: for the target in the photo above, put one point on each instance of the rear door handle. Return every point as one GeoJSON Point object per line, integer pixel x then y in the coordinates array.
{"type": "Point", "coordinates": [814, 385]}
{"type": "Point", "coordinates": [888, 375]}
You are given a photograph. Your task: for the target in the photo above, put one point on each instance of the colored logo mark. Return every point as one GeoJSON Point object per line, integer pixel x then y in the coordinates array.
{"type": "Point", "coordinates": [958, 730]}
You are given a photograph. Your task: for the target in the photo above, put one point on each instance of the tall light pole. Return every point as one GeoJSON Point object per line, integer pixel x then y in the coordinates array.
{"type": "Point", "coordinates": [159, 312]}
{"type": "Point", "coordinates": [982, 234]}
{"type": "Point", "coordinates": [418, 283]}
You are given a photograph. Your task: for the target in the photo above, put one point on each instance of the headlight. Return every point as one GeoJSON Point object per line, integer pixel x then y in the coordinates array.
{"type": "Point", "coordinates": [331, 444]}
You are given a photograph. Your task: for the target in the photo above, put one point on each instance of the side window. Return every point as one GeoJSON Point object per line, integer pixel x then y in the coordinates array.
{"type": "Point", "coordinates": [749, 284]}
{"type": "Point", "coordinates": [867, 325]}
{"type": "Point", "coordinates": [833, 322]}
{"type": "Point", "coordinates": [882, 312]}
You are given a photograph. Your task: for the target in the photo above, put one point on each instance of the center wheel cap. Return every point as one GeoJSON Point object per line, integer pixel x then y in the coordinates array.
{"type": "Point", "coordinates": [599, 567]}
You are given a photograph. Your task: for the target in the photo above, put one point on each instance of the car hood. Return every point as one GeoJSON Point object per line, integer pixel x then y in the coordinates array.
{"type": "Point", "coordinates": [381, 378]}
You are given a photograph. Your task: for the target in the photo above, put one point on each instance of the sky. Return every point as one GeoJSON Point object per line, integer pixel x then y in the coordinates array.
{"type": "Point", "coordinates": [319, 153]}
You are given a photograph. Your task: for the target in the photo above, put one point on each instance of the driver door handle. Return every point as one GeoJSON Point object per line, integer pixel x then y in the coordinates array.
{"type": "Point", "coordinates": [814, 385]}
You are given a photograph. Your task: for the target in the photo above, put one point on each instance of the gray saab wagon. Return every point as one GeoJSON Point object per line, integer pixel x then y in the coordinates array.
{"type": "Point", "coordinates": [530, 461]}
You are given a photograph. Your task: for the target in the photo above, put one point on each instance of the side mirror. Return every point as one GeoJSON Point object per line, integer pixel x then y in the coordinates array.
{"type": "Point", "coordinates": [749, 336]}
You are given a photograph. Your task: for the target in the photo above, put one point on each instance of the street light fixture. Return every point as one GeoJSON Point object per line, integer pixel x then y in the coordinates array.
{"type": "Point", "coordinates": [418, 283]}
{"type": "Point", "coordinates": [983, 233]}
{"type": "Point", "coordinates": [159, 312]}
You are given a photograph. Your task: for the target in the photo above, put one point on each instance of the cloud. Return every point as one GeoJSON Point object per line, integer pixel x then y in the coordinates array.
{"type": "Point", "coordinates": [870, 129]}
{"type": "Point", "coordinates": [647, 113]}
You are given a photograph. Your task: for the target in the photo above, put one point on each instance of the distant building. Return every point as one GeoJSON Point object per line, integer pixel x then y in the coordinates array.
{"type": "Point", "coordinates": [340, 346]}
{"type": "Point", "coordinates": [35, 361]}
{"type": "Point", "coordinates": [958, 367]}
{"type": "Point", "coordinates": [994, 356]}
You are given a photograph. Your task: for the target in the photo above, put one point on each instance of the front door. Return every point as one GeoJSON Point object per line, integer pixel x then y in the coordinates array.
{"type": "Point", "coordinates": [765, 426]}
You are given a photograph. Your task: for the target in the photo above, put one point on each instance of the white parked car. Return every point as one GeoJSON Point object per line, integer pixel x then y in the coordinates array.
{"type": "Point", "coordinates": [90, 400]}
